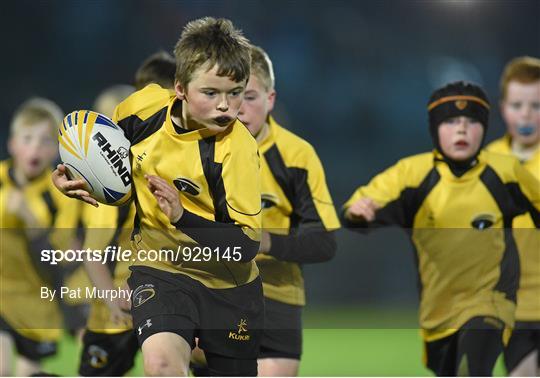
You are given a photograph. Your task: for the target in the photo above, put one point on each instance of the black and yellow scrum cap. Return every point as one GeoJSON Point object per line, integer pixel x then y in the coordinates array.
{"type": "Point", "coordinates": [458, 99]}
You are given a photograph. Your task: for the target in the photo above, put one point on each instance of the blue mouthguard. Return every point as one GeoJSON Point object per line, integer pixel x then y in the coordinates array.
{"type": "Point", "coordinates": [526, 130]}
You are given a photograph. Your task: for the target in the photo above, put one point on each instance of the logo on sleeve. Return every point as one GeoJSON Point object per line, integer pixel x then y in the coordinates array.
{"type": "Point", "coordinates": [142, 294]}
{"type": "Point", "coordinates": [147, 324]}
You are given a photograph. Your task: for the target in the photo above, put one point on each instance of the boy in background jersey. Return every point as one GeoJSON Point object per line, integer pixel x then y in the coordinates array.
{"type": "Point", "coordinates": [76, 278]}
{"type": "Point", "coordinates": [458, 203]}
{"type": "Point", "coordinates": [299, 220]}
{"type": "Point", "coordinates": [195, 174]}
{"type": "Point", "coordinates": [520, 108]}
{"type": "Point", "coordinates": [158, 68]}
{"type": "Point", "coordinates": [33, 212]}
{"type": "Point", "coordinates": [110, 343]}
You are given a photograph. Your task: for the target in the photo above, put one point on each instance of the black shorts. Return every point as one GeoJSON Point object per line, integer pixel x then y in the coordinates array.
{"type": "Point", "coordinates": [109, 355]}
{"type": "Point", "coordinates": [282, 335]}
{"type": "Point", "coordinates": [471, 351]}
{"type": "Point", "coordinates": [31, 349]}
{"type": "Point", "coordinates": [228, 322]}
{"type": "Point", "coordinates": [525, 339]}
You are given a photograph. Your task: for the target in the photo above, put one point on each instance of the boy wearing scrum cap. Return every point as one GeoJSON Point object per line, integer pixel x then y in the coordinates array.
{"type": "Point", "coordinates": [457, 203]}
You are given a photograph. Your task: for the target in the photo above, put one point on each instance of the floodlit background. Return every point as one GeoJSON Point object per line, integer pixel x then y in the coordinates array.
{"type": "Point", "coordinates": [353, 78]}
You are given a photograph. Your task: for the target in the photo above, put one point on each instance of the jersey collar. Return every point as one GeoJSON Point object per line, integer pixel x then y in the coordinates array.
{"type": "Point", "coordinates": [445, 171]}
{"type": "Point", "coordinates": [188, 136]}
{"type": "Point", "coordinates": [270, 138]}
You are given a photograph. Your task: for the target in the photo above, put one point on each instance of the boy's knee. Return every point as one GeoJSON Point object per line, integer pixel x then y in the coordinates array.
{"type": "Point", "coordinates": [166, 354]}
{"type": "Point", "coordinates": [157, 365]}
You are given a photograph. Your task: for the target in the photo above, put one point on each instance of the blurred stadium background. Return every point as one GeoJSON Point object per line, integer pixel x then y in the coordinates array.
{"type": "Point", "coordinates": [352, 78]}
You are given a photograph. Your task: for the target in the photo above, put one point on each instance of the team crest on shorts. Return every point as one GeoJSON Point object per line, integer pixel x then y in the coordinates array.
{"type": "Point", "coordinates": [98, 356]}
{"type": "Point", "coordinates": [143, 294]}
{"type": "Point", "coordinates": [242, 334]}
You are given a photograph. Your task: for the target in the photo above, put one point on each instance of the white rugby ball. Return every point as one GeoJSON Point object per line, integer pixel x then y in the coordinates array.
{"type": "Point", "coordinates": [94, 149]}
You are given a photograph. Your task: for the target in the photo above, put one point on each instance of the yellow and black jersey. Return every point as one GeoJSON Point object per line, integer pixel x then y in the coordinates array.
{"type": "Point", "coordinates": [217, 175]}
{"type": "Point", "coordinates": [22, 273]}
{"type": "Point", "coordinates": [460, 227]}
{"type": "Point", "coordinates": [76, 278]}
{"type": "Point", "coordinates": [101, 227]}
{"type": "Point", "coordinates": [297, 211]}
{"type": "Point", "coordinates": [528, 243]}
{"type": "Point", "coordinates": [108, 226]}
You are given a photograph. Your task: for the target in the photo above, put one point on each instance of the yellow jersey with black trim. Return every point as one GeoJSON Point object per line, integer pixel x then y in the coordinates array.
{"type": "Point", "coordinates": [217, 175]}
{"type": "Point", "coordinates": [467, 261]}
{"type": "Point", "coordinates": [100, 228]}
{"type": "Point", "coordinates": [22, 273]}
{"type": "Point", "coordinates": [528, 243]}
{"type": "Point", "coordinates": [78, 279]}
{"type": "Point", "coordinates": [294, 194]}
{"type": "Point", "coordinates": [108, 226]}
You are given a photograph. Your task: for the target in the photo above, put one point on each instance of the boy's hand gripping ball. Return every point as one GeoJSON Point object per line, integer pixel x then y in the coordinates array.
{"type": "Point", "coordinates": [95, 150]}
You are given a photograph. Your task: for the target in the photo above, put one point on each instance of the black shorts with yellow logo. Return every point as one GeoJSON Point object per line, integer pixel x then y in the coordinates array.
{"type": "Point", "coordinates": [228, 322]}
{"type": "Point", "coordinates": [282, 335]}
{"type": "Point", "coordinates": [31, 349]}
{"type": "Point", "coordinates": [108, 355]}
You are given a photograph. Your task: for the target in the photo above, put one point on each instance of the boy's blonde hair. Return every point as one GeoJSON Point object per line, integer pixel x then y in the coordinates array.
{"type": "Point", "coordinates": [524, 70]}
{"type": "Point", "coordinates": [213, 42]}
{"type": "Point", "coordinates": [36, 110]}
{"type": "Point", "coordinates": [261, 66]}
{"type": "Point", "coordinates": [158, 68]}
{"type": "Point", "coordinates": [110, 97]}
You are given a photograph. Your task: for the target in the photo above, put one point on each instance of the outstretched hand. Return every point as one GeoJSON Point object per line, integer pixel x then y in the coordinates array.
{"type": "Point", "coordinates": [167, 197]}
{"type": "Point", "coordinates": [362, 210]}
{"type": "Point", "coordinates": [119, 312]}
